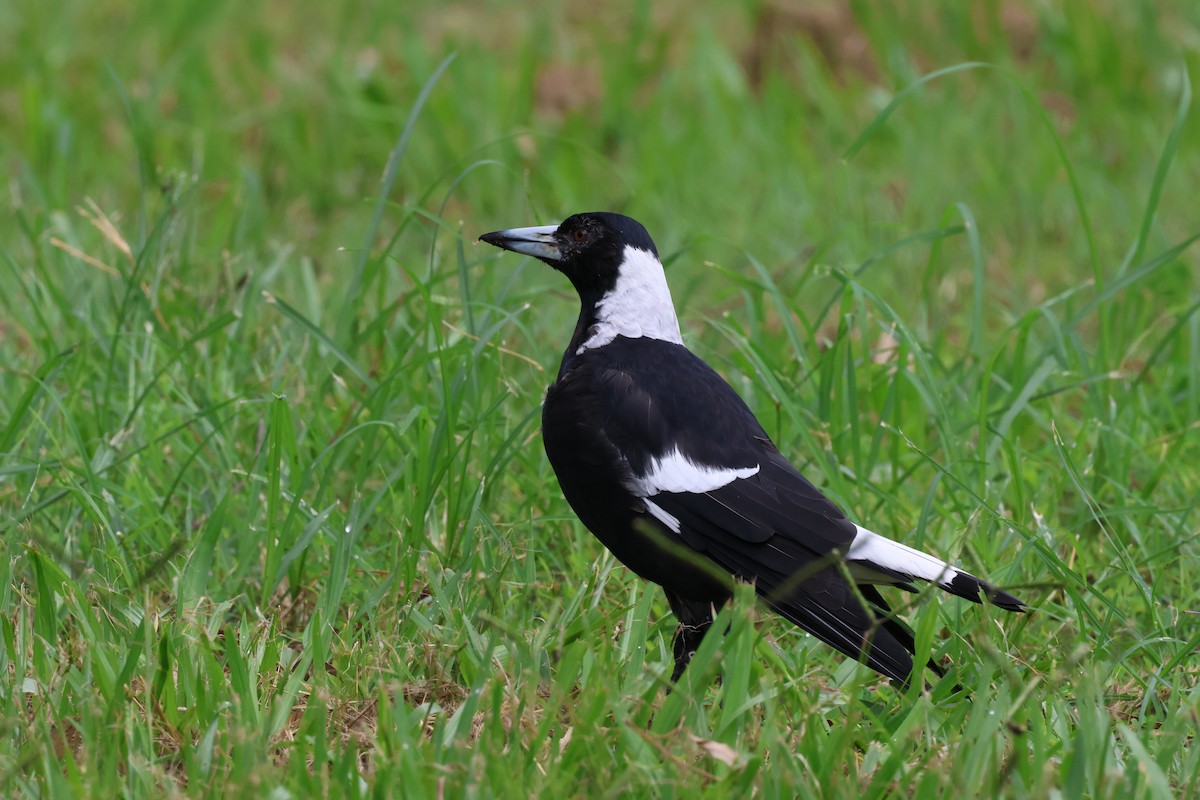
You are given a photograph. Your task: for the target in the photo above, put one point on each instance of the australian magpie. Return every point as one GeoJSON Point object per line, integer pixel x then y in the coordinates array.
{"type": "Point", "coordinates": [668, 467]}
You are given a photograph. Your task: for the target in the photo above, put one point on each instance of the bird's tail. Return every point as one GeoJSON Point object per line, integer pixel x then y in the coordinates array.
{"type": "Point", "coordinates": [877, 559]}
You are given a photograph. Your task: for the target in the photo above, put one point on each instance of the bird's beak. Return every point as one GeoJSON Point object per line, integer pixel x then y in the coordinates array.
{"type": "Point", "coordinates": [538, 242]}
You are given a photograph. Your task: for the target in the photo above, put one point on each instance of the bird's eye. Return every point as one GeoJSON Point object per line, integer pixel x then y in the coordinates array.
{"type": "Point", "coordinates": [580, 235]}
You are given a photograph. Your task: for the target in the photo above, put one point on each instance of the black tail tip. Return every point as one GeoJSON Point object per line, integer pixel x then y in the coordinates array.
{"type": "Point", "coordinates": [967, 585]}
{"type": "Point", "coordinates": [1005, 600]}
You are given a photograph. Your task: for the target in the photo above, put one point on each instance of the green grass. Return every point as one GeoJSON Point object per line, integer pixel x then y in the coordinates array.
{"type": "Point", "coordinates": [274, 512]}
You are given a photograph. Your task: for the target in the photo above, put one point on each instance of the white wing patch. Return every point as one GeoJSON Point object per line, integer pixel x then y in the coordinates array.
{"type": "Point", "coordinates": [676, 473]}
{"type": "Point", "coordinates": [670, 520]}
{"type": "Point", "coordinates": [638, 305]}
{"type": "Point", "coordinates": [871, 548]}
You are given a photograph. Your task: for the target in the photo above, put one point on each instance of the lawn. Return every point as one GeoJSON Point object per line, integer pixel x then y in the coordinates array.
{"type": "Point", "coordinates": [274, 513]}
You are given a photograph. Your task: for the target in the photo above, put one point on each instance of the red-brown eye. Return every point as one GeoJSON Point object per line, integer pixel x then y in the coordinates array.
{"type": "Point", "coordinates": [580, 235]}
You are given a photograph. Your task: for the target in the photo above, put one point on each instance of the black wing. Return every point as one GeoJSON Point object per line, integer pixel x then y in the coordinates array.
{"type": "Point", "coordinates": [773, 528]}
{"type": "Point", "coordinates": [768, 530]}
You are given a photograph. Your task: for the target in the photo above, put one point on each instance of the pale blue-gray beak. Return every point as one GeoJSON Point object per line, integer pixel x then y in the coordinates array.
{"type": "Point", "coordinates": [538, 241]}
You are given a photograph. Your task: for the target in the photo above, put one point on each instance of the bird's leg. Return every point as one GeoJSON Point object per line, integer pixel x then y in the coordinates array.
{"type": "Point", "coordinates": [695, 618]}
{"type": "Point", "coordinates": [687, 640]}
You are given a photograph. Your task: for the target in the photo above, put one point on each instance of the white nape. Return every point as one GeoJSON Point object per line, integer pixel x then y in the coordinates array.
{"type": "Point", "coordinates": [872, 549]}
{"type": "Point", "coordinates": [639, 305]}
{"type": "Point", "coordinates": [677, 474]}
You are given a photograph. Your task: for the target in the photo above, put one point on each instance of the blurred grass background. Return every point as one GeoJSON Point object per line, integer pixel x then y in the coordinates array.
{"type": "Point", "coordinates": [275, 515]}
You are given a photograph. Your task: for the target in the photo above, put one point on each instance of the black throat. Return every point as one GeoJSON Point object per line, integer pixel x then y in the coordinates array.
{"type": "Point", "coordinates": [588, 318]}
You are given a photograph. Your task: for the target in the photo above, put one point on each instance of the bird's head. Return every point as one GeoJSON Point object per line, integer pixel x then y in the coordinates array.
{"type": "Point", "coordinates": [591, 249]}
{"type": "Point", "coordinates": [613, 264]}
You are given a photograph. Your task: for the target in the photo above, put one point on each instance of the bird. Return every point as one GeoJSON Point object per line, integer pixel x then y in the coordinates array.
{"type": "Point", "coordinates": [667, 466]}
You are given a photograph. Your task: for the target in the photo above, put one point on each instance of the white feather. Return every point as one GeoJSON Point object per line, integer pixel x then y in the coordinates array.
{"type": "Point", "coordinates": [676, 473]}
{"type": "Point", "coordinates": [668, 519]}
{"type": "Point", "coordinates": [639, 305]}
{"type": "Point", "coordinates": [881, 551]}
